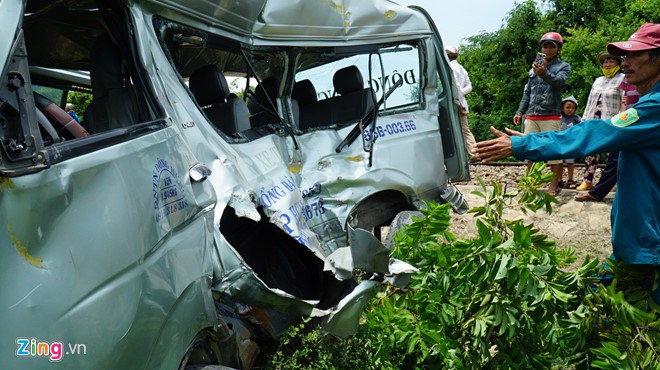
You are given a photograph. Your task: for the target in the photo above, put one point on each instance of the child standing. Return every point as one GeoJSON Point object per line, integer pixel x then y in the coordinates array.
{"type": "Point", "coordinates": [568, 119]}
{"type": "Point", "coordinates": [69, 109]}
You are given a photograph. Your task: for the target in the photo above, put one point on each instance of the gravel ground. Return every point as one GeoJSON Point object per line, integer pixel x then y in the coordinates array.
{"type": "Point", "coordinates": [510, 174]}
{"type": "Point", "coordinates": [583, 225]}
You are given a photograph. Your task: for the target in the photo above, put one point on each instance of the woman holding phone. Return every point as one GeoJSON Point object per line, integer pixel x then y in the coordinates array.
{"type": "Point", "coordinates": [604, 102]}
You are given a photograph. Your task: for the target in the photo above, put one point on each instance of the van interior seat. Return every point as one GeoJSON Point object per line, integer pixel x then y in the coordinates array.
{"type": "Point", "coordinates": [304, 97]}
{"type": "Point", "coordinates": [226, 112]}
{"type": "Point", "coordinates": [351, 104]}
{"type": "Point", "coordinates": [354, 101]}
{"type": "Point", "coordinates": [113, 103]}
{"type": "Point", "coordinates": [261, 103]}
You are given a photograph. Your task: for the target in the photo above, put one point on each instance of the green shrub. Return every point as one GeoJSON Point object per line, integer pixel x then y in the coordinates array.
{"type": "Point", "coordinates": [506, 299]}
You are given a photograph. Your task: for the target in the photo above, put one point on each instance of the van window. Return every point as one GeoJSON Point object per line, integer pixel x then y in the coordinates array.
{"type": "Point", "coordinates": [401, 62]}
{"type": "Point", "coordinates": [336, 83]}
{"type": "Point", "coordinates": [77, 97]}
{"type": "Point", "coordinates": [236, 88]}
{"type": "Point", "coordinates": [60, 58]}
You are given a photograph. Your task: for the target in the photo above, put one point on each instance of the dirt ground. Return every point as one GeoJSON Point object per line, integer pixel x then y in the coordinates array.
{"type": "Point", "coordinates": [583, 225]}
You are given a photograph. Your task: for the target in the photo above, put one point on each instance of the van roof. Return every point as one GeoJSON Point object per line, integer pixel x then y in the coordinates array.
{"type": "Point", "coordinates": [305, 23]}
{"type": "Point", "coordinates": [308, 22]}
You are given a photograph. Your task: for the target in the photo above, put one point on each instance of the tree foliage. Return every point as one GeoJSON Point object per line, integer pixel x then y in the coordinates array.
{"type": "Point", "coordinates": [80, 101]}
{"type": "Point", "coordinates": [505, 299]}
{"type": "Point", "coordinates": [498, 61]}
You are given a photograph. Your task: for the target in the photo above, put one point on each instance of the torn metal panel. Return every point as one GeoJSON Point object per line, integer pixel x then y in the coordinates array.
{"type": "Point", "coordinates": [344, 320]}
{"type": "Point", "coordinates": [366, 253]}
{"type": "Point", "coordinates": [244, 206]}
{"type": "Point", "coordinates": [400, 273]}
{"type": "Point", "coordinates": [369, 254]}
{"type": "Point", "coordinates": [235, 278]}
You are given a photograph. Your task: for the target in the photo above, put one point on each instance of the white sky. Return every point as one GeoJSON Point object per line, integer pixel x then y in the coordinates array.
{"type": "Point", "coordinates": [458, 19]}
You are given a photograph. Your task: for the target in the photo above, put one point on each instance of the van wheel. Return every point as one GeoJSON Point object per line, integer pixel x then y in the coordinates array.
{"type": "Point", "coordinates": [203, 354]}
{"type": "Point", "coordinates": [402, 219]}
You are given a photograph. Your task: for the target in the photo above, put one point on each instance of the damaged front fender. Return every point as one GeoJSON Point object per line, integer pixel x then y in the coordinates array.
{"type": "Point", "coordinates": [366, 253]}
{"type": "Point", "coordinates": [260, 265]}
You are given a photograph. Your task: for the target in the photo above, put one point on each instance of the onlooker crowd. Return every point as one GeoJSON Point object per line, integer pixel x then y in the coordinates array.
{"type": "Point", "coordinates": [634, 134]}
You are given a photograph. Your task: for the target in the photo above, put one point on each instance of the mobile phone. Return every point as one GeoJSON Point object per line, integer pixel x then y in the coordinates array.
{"type": "Point", "coordinates": [540, 59]}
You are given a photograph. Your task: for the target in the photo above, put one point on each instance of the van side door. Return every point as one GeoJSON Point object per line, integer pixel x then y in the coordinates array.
{"type": "Point", "coordinates": [455, 153]}
{"type": "Point", "coordinates": [105, 232]}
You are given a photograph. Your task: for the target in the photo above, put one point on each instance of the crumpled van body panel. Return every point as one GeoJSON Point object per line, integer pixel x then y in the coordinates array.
{"type": "Point", "coordinates": [231, 170]}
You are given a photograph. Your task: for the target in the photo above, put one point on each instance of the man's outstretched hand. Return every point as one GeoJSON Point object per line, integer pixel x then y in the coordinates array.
{"type": "Point", "coordinates": [498, 148]}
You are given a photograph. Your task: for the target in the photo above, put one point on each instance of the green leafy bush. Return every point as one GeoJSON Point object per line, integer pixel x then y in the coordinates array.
{"type": "Point", "coordinates": [304, 347]}
{"type": "Point", "coordinates": [506, 299]}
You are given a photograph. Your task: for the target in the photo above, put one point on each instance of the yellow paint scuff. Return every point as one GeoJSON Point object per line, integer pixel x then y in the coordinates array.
{"type": "Point", "coordinates": [23, 252]}
{"type": "Point", "coordinates": [6, 183]}
{"type": "Point", "coordinates": [295, 166]}
{"type": "Point", "coordinates": [356, 158]}
{"type": "Point", "coordinates": [390, 15]}
{"type": "Point", "coordinates": [340, 9]}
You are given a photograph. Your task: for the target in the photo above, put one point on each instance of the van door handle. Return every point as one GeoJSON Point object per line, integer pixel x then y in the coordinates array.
{"type": "Point", "coordinates": [199, 172]}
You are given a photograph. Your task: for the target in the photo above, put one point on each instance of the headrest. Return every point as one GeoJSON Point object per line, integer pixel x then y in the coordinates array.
{"type": "Point", "coordinates": [304, 92]}
{"type": "Point", "coordinates": [267, 89]}
{"type": "Point", "coordinates": [209, 85]}
{"type": "Point", "coordinates": [105, 70]}
{"type": "Point", "coordinates": [347, 80]}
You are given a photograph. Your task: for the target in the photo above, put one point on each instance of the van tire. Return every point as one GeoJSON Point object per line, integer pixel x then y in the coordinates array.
{"type": "Point", "coordinates": [403, 218]}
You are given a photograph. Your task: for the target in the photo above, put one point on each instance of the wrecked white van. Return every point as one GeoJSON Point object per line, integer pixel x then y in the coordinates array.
{"type": "Point", "coordinates": [229, 176]}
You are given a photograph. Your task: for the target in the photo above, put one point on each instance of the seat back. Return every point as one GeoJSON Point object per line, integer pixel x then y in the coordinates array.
{"type": "Point", "coordinates": [305, 98]}
{"type": "Point", "coordinates": [113, 104]}
{"type": "Point", "coordinates": [353, 101]}
{"type": "Point", "coordinates": [351, 104]}
{"type": "Point", "coordinates": [227, 113]}
{"type": "Point", "coordinates": [261, 104]}
{"type": "Point", "coordinates": [304, 92]}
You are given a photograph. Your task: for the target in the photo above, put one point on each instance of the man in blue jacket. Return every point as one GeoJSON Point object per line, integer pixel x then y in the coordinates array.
{"type": "Point", "coordinates": [541, 100]}
{"type": "Point", "coordinates": [635, 133]}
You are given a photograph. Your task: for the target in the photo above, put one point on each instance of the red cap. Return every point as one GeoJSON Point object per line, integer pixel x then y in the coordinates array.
{"type": "Point", "coordinates": [645, 38]}
{"type": "Point", "coordinates": [552, 36]}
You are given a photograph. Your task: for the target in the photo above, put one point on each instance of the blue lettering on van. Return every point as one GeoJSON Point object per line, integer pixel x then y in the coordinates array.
{"type": "Point", "coordinates": [313, 190]}
{"type": "Point", "coordinates": [296, 213]}
{"type": "Point", "coordinates": [300, 211]}
{"type": "Point", "coordinates": [168, 191]}
{"type": "Point", "coordinates": [390, 129]}
{"type": "Point", "coordinates": [269, 197]}
{"type": "Point", "coordinates": [289, 183]}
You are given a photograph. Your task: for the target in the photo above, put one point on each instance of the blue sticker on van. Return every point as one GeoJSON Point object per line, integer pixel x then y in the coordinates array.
{"type": "Point", "coordinates": [169, 193]}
